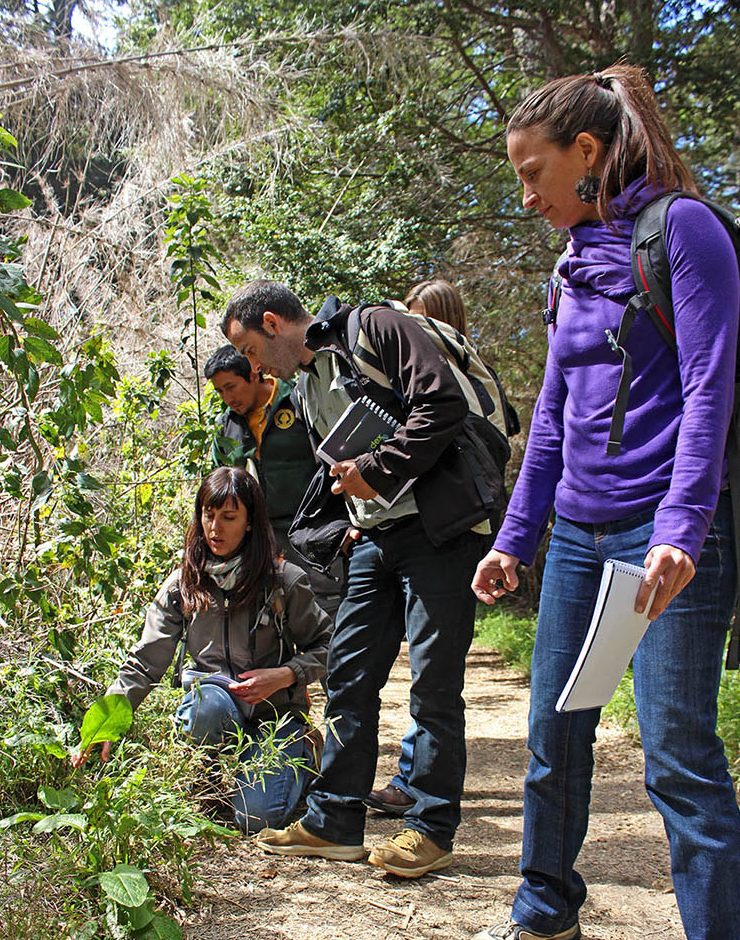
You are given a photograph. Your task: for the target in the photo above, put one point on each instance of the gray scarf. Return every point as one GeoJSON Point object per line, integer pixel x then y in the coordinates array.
{"type": "Point", "coordinates": [225, 573]}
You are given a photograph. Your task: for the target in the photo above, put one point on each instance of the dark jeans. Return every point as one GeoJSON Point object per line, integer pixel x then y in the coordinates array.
{"type": "Point", "coordinates": [398, 583]}
{"type": "Point", "coordinates": [676, 674]}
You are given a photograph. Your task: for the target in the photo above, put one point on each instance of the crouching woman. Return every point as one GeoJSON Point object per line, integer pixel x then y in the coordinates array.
{"type": "Point", "coordinates": [255, 638]}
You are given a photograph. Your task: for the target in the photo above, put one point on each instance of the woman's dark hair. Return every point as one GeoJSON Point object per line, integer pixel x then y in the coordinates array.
{"type": "Point", "coordinates": [441, 301]}
{"type": "Point", "coordinates": [257, 571]}
{"type": "Point", "coordinates": [619, 108]}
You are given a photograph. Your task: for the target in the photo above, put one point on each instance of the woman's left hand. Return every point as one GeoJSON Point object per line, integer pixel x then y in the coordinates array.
{"type": "Point", "coordinates": [671, 569]}
{"type": "Point", "coordinates": [259, 684]}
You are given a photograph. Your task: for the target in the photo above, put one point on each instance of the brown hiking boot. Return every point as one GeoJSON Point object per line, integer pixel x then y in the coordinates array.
{"type": "Point", "coordinates": [409, 854]}
{"type": "Point", "coordinates": [390, 800]}
{"type": "Point", "coordinates": [295, 840]}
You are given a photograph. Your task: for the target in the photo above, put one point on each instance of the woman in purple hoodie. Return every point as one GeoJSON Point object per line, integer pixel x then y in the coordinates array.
{"type": "Point", "coordinates": [591, 151]}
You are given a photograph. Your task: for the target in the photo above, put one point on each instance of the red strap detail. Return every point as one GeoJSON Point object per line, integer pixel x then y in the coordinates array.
{"type": "Point", "coordinates": [656, 308]}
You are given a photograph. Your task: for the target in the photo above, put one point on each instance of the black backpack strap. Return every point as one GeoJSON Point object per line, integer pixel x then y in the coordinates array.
{"type": "Point", "coordinates": [352, 333]}
{"type": "Point", "coordinates": [175, 598]}
{"type": "Point", "coordinates": [616, 428]}
{"type": "Point", "coordinates": [649, 257]}
{"type": "Point", "coordinates": [278, 610]}
{"type": "Point", "coordinates": [353, 349]}
{"type": "Point", "coordinates": [554, 292]}
{"type": "Point", "coordinates": [650, 268]}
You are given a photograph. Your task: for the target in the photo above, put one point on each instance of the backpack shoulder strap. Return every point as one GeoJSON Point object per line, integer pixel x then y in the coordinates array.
{"type": "Point", "coordinates": [650, 268]}
{"type": "Point", "coordinates": [554, 291]}
{"type": "Point", "coordinates": [357, 345]}
{"type": "Point", "coordinates": [457, 354]}
{"type": "Point", "coordinates": [278, 590]}
{"type": "Point", "coordinates": [649, 257]}
{"type": "Point", "coordinates": [362, 357]}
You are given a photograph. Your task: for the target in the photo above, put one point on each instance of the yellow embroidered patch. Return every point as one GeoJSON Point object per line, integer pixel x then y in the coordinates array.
{"type": "Point", "coordinates": [284, 419]}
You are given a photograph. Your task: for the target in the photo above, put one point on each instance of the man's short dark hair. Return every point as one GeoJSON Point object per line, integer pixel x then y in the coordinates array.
{"type": "Point", "coordinates": [227, 359]}
{"type": "Point", "coordinates": [248, 305]}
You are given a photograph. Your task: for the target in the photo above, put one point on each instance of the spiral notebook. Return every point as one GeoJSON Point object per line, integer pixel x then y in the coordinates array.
{"type": "Point", "coordinates": [362, 428]}
{"type": "Point", "coordinates": [613, 636]}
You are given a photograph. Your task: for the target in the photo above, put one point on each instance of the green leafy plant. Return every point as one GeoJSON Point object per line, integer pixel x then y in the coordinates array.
{"type": "Point", "coordinates": [116, 824]}
{"type": "Point", "coordinates": [192, 255]}
{"type": "Point", "coordinates": [107, 719]}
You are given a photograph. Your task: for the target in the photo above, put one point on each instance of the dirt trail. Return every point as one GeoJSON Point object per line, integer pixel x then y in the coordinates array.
{"type": "Point", "coordinates": [624, 861]}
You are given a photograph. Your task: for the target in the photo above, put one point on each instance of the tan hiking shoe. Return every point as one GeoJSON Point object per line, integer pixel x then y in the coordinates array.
{"type": "Point", "coordinates": [295, 840]}
{"type": "Point", "coordinates": [512, 931]}
{"type": "Point", "coordinates": [409, 854]}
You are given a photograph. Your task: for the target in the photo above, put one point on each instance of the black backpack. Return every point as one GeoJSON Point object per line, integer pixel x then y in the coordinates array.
{"type": "Point", "coordinates": [481, 450]}
{"type": "Point", "coordinates": [478, 455]}
{"type": "Point", "coordinates": [652, 276]}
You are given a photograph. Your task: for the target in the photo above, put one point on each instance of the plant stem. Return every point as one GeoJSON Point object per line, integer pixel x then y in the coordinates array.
{"type": "Point", "coordinates": [195, 348]}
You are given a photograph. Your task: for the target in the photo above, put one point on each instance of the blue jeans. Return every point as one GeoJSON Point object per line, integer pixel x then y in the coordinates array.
{"type": "Point", "coordinates": [397, 583]}
{"type": "Point", "coordinates": [676, 675]}
{"type": "Point", "coordinates": [210, 715]}
{"type": "Point", "coordinates": [405, 760]}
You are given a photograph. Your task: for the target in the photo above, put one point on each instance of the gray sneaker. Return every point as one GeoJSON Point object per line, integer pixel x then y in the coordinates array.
{"type": "Point", "coordinates": [512, 931]}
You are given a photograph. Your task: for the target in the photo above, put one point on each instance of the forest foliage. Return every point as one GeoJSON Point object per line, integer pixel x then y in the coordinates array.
{"type": "Point", "coordinates": [344, 147]}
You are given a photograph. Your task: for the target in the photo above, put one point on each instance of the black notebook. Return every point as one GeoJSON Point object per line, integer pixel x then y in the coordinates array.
{"type": "Point", "coordinates": [361, 429]}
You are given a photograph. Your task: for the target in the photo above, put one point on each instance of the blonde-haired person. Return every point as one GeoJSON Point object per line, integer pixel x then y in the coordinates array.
{"type": "Point", "coordinates": [440, 300]}
{"type": "Point", "coordinates": [591, 151]}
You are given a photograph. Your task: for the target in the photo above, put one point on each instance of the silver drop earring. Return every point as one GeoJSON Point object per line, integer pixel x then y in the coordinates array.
{"type": "Point", "coordinates": [587, 188]}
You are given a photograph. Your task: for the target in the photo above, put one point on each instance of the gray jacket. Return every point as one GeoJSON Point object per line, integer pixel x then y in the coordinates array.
{"type": "Point", "coordinates": [230, 641]}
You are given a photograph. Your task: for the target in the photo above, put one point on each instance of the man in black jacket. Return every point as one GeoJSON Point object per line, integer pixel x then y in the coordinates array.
{"type": "Point", "coordinates": [260, 430]}
{"type": "Point", "coordinates": [409, 570]}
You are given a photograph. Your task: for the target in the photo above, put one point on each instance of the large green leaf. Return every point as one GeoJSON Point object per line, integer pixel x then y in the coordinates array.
{"type": "Point", "coordinates": [88, 931]}
{"type": "Point", "coordinates": [6, 345]}
{"type": "Point", "coordinates": [107, 719]}
{"type": "Point", "coordinates": [38, 327]}
{"type": "Point", "coordinates": [125, 885]}
{"type": "Point", "coordinates": [86, 481]}
{"type": "Point", "coordinates": [40, 350]}
{"type": "Point", "coordinates": [39, 742]}
{"type": "Point", "coordinates": [19, 818]}
{"type": "Point", "coordinates": [41, 483]}
{"type": "Point", "coordinates": [11, 199]}
{"type": "Point", "coordinates": [140, 917]}
{"type": "Point", "coordinates": [12, 279]}
{"type": "Point", "coordinates": [58, 799]}
{"type": "Point", "coordinates": [161, 927]}
{"type": "Point", "coordinates": [7, 141]}
{"type": "Point", "coordinates": [61, 821]}
{"type": "Point", "coordinates": [7, 304]}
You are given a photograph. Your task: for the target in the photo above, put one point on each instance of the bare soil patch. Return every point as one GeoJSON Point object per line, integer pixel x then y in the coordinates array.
{"type": "Point", "coordinates": [625, 860]}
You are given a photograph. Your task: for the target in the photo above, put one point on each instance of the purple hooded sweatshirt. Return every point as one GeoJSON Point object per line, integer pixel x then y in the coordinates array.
{"type": "Point", "coordinates": [678, 410]}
